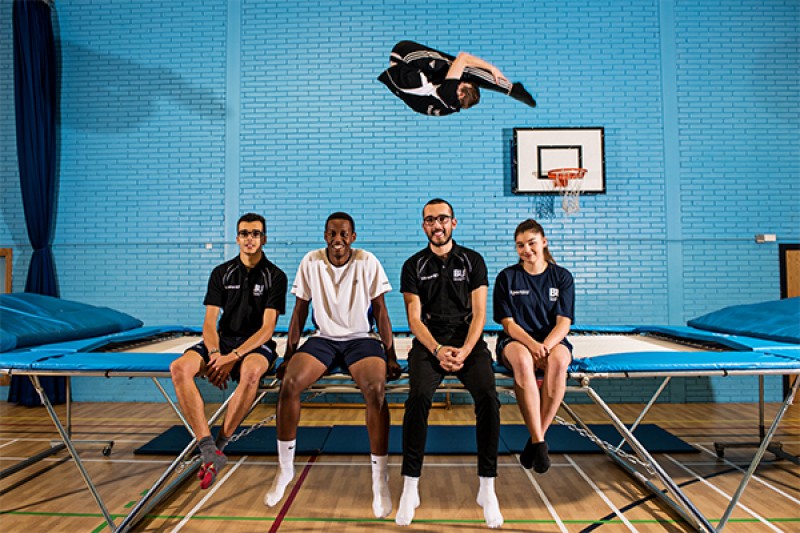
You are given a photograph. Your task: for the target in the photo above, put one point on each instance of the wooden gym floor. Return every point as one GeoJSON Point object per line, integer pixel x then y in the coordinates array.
{"type": "Point", "coordinates": [333, 493]}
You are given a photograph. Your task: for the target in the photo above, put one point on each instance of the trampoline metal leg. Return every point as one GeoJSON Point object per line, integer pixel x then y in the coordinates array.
{"type": "Point", "coordinates": [759, 454]}
{"type": "Point", "coordinates": [52, 450]}
{"type": "Point", "coordinates": [153, 497]}
{"type": "Point", "coordinates": [647, 408]}
{"type": "Point", "coordinates": [635, 474]}
{"type": "Point", "coordinates": [775, 448]}
{"type": "Point", "coordinates": [174, 407]}
{"type": "Point", "coordinates": [699, 521]}
{"type": "Point", "coordinates": [134, 516]}
{"type": "Point", "coordinates": [148, 503]}
{"type": "Point", "coordinates": [72, 451]}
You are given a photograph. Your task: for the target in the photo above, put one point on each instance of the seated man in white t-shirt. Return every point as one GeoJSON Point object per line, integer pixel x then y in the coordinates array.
{"type": "Point", "coordinates": [342, 283]}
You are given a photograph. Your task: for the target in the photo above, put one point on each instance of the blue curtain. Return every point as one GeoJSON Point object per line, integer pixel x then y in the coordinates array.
{"type": "Point", "coordinates": [35, 101]}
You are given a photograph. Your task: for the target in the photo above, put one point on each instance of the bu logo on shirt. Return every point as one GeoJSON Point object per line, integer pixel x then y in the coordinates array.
{"type": "Point", "coordinates": [258, 290]}
{"type": "Point", "coordinates": [553, 294]}
{"type": "Point", "coordinates": [459, 274]}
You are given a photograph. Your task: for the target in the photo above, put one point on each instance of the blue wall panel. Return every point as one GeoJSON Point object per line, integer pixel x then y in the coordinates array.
{"type": "Point", "coordinates": [149, 90]}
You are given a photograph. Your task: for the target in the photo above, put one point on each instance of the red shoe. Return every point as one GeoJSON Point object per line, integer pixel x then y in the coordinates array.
{"type": "Point", "coordinates": [208, 471]}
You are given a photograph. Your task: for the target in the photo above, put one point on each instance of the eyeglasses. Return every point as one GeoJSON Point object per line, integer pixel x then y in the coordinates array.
{"type": "Point", "coordinates": [441, 219]}
{"type": "Point", "coordinates": [255, 233]}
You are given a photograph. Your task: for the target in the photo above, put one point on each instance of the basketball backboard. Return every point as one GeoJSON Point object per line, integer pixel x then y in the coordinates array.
{"type": "Point", "coordinates": [536, 151]}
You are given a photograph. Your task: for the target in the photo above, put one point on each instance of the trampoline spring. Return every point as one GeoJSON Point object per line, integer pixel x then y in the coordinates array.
{"type": "Point", "coordinates": [187, 463]}
{"type": "Point", "coordinates": [607, 446]}
{"type": "Point", "coordinates": [610, 448]}
{"type": "Point", "coordinates": [245, 432]}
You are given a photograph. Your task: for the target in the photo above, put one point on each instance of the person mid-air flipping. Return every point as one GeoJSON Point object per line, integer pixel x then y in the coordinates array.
{"type": "Point", "coordinates": [434, 83]}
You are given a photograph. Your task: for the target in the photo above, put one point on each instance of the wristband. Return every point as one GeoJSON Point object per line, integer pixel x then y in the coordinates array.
{"type": "Point", "coordinates": [436, 350]}
{"type": "Point", "coordinates": [237, 354]}
{"type": "Point", "coordinates": [215, 350]}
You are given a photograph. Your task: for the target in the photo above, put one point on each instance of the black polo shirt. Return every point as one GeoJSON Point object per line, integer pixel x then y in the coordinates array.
{"type": "Point", "coordinates": [445, 289]}
{"type": "Point", "coordinates": [244, 294]}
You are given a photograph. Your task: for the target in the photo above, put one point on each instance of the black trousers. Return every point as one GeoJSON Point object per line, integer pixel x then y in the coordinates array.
{"type": "Point", "coordinates": [425, 374]}
{"type": "Point", "coordinates": [425, 58]}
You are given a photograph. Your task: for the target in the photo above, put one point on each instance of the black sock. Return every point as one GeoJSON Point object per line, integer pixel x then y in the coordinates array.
{"type": "Point", "coordinates": [526, 457]}
{"type": "Point", "coordinates": [541, 460]}
{"type": "Point", "coordinates": [535, 456]}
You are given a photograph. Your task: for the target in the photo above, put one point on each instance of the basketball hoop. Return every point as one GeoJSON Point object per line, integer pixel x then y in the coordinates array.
{"type": "Point", "coordinates": [567, 182]}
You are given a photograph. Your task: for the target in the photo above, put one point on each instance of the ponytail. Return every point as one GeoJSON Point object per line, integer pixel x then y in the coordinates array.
{"type": "Point", "coordinates": [532, 225]}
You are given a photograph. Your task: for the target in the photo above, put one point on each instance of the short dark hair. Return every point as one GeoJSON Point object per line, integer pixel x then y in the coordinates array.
{"type": "Point", "coordinates": [439, 201]}
{"type": "Point", "coordinates": [341, 215]}
{"type": "Point", "coordinates": [252, 217]}
{"type": "Point", "coordinates": [472, 95]}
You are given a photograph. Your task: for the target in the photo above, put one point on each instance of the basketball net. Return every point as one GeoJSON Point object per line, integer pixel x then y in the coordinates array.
{"type": "Point", "coordinates": [568, 182]}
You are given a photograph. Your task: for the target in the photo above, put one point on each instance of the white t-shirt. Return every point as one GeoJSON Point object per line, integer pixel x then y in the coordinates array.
{"type": "Point", "coordinates": [341, 296]}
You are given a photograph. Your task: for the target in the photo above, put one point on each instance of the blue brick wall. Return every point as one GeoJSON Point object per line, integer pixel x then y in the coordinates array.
{"type": "Point", "coordinates": [144, 180]}
{"type": "Point", "coordinates": [739, 120]}
{"type": "Point", "coordinates": [142, 168]}
{"type": "Point", "coordinates": [339, 140]}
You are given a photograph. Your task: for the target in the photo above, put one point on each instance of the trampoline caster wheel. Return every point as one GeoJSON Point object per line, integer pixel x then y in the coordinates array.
{"type": "Point", "coordinates": [720, 451]}
{"type": "Point", "coordinates": [107, 451]}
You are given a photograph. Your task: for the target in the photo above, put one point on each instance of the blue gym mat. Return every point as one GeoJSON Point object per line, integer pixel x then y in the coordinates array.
{"type": "Point", "coordinates": [560, 439]}
{"type": "Point", "coordinates": [262, 441]}
{"type": "Point", "coordinates": [442, 440]}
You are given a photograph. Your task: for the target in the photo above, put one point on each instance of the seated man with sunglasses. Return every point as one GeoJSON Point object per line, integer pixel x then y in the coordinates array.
{"type": "Point", "coordinates": [250, 291]}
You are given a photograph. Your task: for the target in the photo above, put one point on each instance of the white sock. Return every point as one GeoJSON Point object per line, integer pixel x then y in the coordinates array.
{"type": "Point", "coordinates": [488, 500]}
{"type": "Point", "coordinates": [409, 501]}
{"type": "Point", "coordinates": [381, 498]}
{"type": "Point", "coordinates": [285, 472]}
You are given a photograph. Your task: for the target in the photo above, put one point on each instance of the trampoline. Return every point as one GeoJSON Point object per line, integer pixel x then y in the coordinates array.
{"type": "Point", "coordinates": [601, 353]}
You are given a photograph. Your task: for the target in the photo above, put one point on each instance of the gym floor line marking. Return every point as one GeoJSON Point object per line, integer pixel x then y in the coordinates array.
{"type": "Point", "coordinates": [292, 495]}
{"type": "Point", "coordinates": [651, 497]}
{"type": "Point", "coordinates": [600, 493]}
{"type": "Point", "coordinates": [546, 501]}
{"type": "Point", "coordinates": [721, 493]}
{"type": "Point", "coordinates": [387, 520]}
{"type": "Point", "coordinates": [90, 460]}
{"type": "Point", "coordinates": [209, 494]}
{"type": "Point", "coordinates": [756, 478]}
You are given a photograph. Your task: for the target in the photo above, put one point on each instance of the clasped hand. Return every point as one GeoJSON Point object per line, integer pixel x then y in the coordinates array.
{"type": "Point", "coordinates": [451, 359]}
{"type": "Point", "coordinates": [218, 369]}
{"type": "Point", "coordinates": [539, 352]}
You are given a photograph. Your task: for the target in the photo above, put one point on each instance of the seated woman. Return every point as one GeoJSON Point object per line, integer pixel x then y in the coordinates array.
{"type": "Point", "coordinates": [534, 301]}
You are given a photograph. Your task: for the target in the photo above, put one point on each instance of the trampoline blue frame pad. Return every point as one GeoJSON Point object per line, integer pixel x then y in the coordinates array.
{"type": "Point", "coordinates": [746, 357]}
{"type": "Point", "coordinates": [689, 362]}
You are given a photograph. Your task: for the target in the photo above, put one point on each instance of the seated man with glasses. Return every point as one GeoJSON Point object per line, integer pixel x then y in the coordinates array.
{"type": "Point", "coordinates": [444, 287]}
{"type": "Point", "coordinates": [250, 291]}
{"type": "Point", "coordinates": [342, 283]}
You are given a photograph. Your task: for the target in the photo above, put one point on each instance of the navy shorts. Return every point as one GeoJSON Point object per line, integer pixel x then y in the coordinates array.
{"type": "Point", "coordinates": [228, 344]}
{"type": "Point", "coordinates": [504, 341]}
{"type": "Point", "coordinates": [342, 353]}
